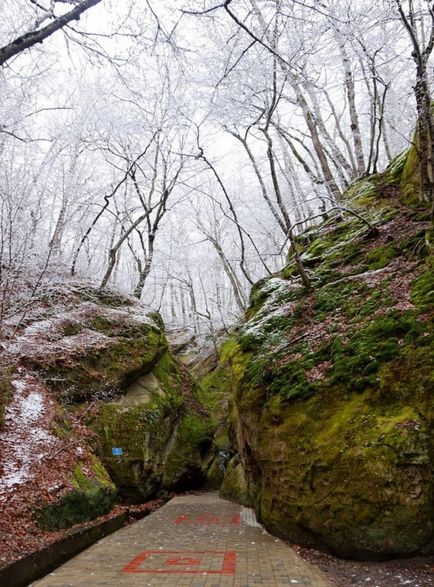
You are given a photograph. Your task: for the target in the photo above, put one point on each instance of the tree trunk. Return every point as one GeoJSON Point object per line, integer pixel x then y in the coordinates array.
{"type": "Point", "coordinates": [425, 128]}
{"type": "Point", "coordinates": [304, 277]}
{"type": "Point", "coordinates": [328, 175]}
{"type": "Point", "coordinates": [261, 182]}
{"type": "Point", "coordinates": [354, 118]}
{"type": "Point", "coordinates": [143, 275]}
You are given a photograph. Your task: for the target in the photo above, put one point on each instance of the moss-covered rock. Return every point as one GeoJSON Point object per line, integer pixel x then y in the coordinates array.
{"type": "Point", "coordinates": [330, 392]}
{"type": "Point", "coordinates": [91, 497]}
{"type": "Point", "coordinates": [235, 485]}
{"type": "Point", "coordinates": [101, 363]}
{"type": "Point", "coordinates": [410, 179]}
{"type": "Point", "coordinates": [118, 351]}
{"type": "Point", "coordinates": [183, 458]}
{"type": "Point", "coordinates": [422, 294]}
{"type": "Point", "coordinates": [90, 344]}
{"type": "Point", "coordinates": [163, 432]}
{"type": "Point", "coordinates": [214, 474]}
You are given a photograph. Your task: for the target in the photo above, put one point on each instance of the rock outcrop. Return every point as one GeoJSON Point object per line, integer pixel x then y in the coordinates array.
{"type": "Point", "coordinates": [86, 372]}
{"type": "Point", "coordinates": [330, 392]}
{"type": "Point", "coordinates": [162, 429]}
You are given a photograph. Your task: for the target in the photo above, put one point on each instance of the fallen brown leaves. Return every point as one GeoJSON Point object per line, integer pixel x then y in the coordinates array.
{"type": "Point", "coordinates": [45, 480]}
{"type": "Point", "coordinates": [19, 536]}
{"type": "Point", "coordinates": [414, 572]}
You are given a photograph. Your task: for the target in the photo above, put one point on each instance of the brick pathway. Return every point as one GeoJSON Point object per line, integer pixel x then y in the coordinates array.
{"type": "Point", "coordinates": [194, 541]}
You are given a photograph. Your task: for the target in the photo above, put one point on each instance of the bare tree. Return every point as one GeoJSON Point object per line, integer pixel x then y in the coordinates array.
{"type": "Point", "coordinates": [154, 204]}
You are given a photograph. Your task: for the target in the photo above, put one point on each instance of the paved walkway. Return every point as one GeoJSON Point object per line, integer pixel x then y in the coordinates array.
{"type": "Point", "coordinates": [194, 541]}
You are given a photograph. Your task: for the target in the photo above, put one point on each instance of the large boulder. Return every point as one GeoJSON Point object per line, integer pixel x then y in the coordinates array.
{"type": "Point", "coordinates": [92, 346]}
{"type": "Point", "coordinates": [331, 391]}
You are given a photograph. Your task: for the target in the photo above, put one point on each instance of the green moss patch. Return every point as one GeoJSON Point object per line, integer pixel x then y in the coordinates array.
{"type": "Point", "coordinates": [169, 376]}
{"type": "Point", "coordinates": [183, 464]}
{"type": "Point", "coordinates": [157, 318]}
{"type": "Point", "coordinates": [235, 486]}
{"type": "Point", "coordinates": [92, 497]}
{"type": "Point", "coordinates": [356, 361]}
{"type": "Point", "coordinates": [6, 392]}
{"type": "Point", "coordinates": [422, 293]}
{"type": "Point", "coordinates": [381, 256]}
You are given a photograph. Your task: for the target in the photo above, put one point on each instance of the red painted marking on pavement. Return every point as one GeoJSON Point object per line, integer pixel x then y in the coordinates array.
{"type": "Point", "coordinates": [229, 563]}
{"type": "Point", "coordinates": [236, 518]}
{"type": "Point", "coordinates": [183, 558]}
{"type": "Point", "coordinates": [207, 519]}
{"type": "Point", "coordinates": [180, 519]}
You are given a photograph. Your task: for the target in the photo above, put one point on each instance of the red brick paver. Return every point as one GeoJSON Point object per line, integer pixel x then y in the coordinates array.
{"type": "Point", "coordinates": [194, 541]}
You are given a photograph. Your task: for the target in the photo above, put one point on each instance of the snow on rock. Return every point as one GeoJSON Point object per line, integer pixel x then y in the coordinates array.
{"type": "Point", "coordinates": [49, 335]}
{"type": "Point", "coordinates": [275, 304]}
{"type": "Point", "coordinates": [25, 438]}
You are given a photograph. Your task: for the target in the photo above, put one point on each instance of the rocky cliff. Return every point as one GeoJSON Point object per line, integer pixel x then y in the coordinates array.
{"type": "Point", "coordinates": [329, 393]}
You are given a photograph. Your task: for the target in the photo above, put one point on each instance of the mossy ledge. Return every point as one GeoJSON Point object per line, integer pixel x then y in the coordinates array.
{"type": "Point", "coordinates": [329, 393]}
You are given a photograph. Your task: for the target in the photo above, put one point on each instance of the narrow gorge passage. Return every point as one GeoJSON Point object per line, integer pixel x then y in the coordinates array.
{"type": "Point", "coordinates": [194, 540]}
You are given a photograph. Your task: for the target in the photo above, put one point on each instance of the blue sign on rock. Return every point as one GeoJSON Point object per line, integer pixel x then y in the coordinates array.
{"type": "Point", "coordinates": [117, 452]}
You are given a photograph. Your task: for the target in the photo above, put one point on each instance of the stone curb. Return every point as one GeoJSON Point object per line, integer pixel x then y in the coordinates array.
{"type": "Point", "coordinates": [38, 564]}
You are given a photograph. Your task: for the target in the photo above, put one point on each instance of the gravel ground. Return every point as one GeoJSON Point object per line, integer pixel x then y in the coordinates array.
{"type": "Point", "coordinates": [412, 572]}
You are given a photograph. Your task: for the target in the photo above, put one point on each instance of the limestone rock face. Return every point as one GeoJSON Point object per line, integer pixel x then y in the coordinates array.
{"type": "Point", "coordinates": [162, 429]}
{"type": "Point", "coordinates": [330, 393]}
{"type": "Point", "coordinates": [142, 391]}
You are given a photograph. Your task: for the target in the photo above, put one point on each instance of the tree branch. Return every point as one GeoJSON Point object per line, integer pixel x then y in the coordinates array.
{"type": "Point", "coordinates": [27, 40]}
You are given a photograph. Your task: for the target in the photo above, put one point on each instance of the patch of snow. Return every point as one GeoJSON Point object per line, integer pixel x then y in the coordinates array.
{"type": "Point", "coordinates": [274, 306]}
{"type": "Point", "coordinates": [24, 440]}
{"type": "Point", "coordinates": [32, 406]}
{"type": "Point", "coordinates": [38, 327]}
{"type": "Point", "coordinates": [48, 334]}
{"type": "Point", "coordinates": [19, 385]}
{"type": "Point", "coordinates": [248, 517]}
{"type": "Point", "coordinates": [275, 288]}
{"type": "Point", "coordinates": [86, 338]}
